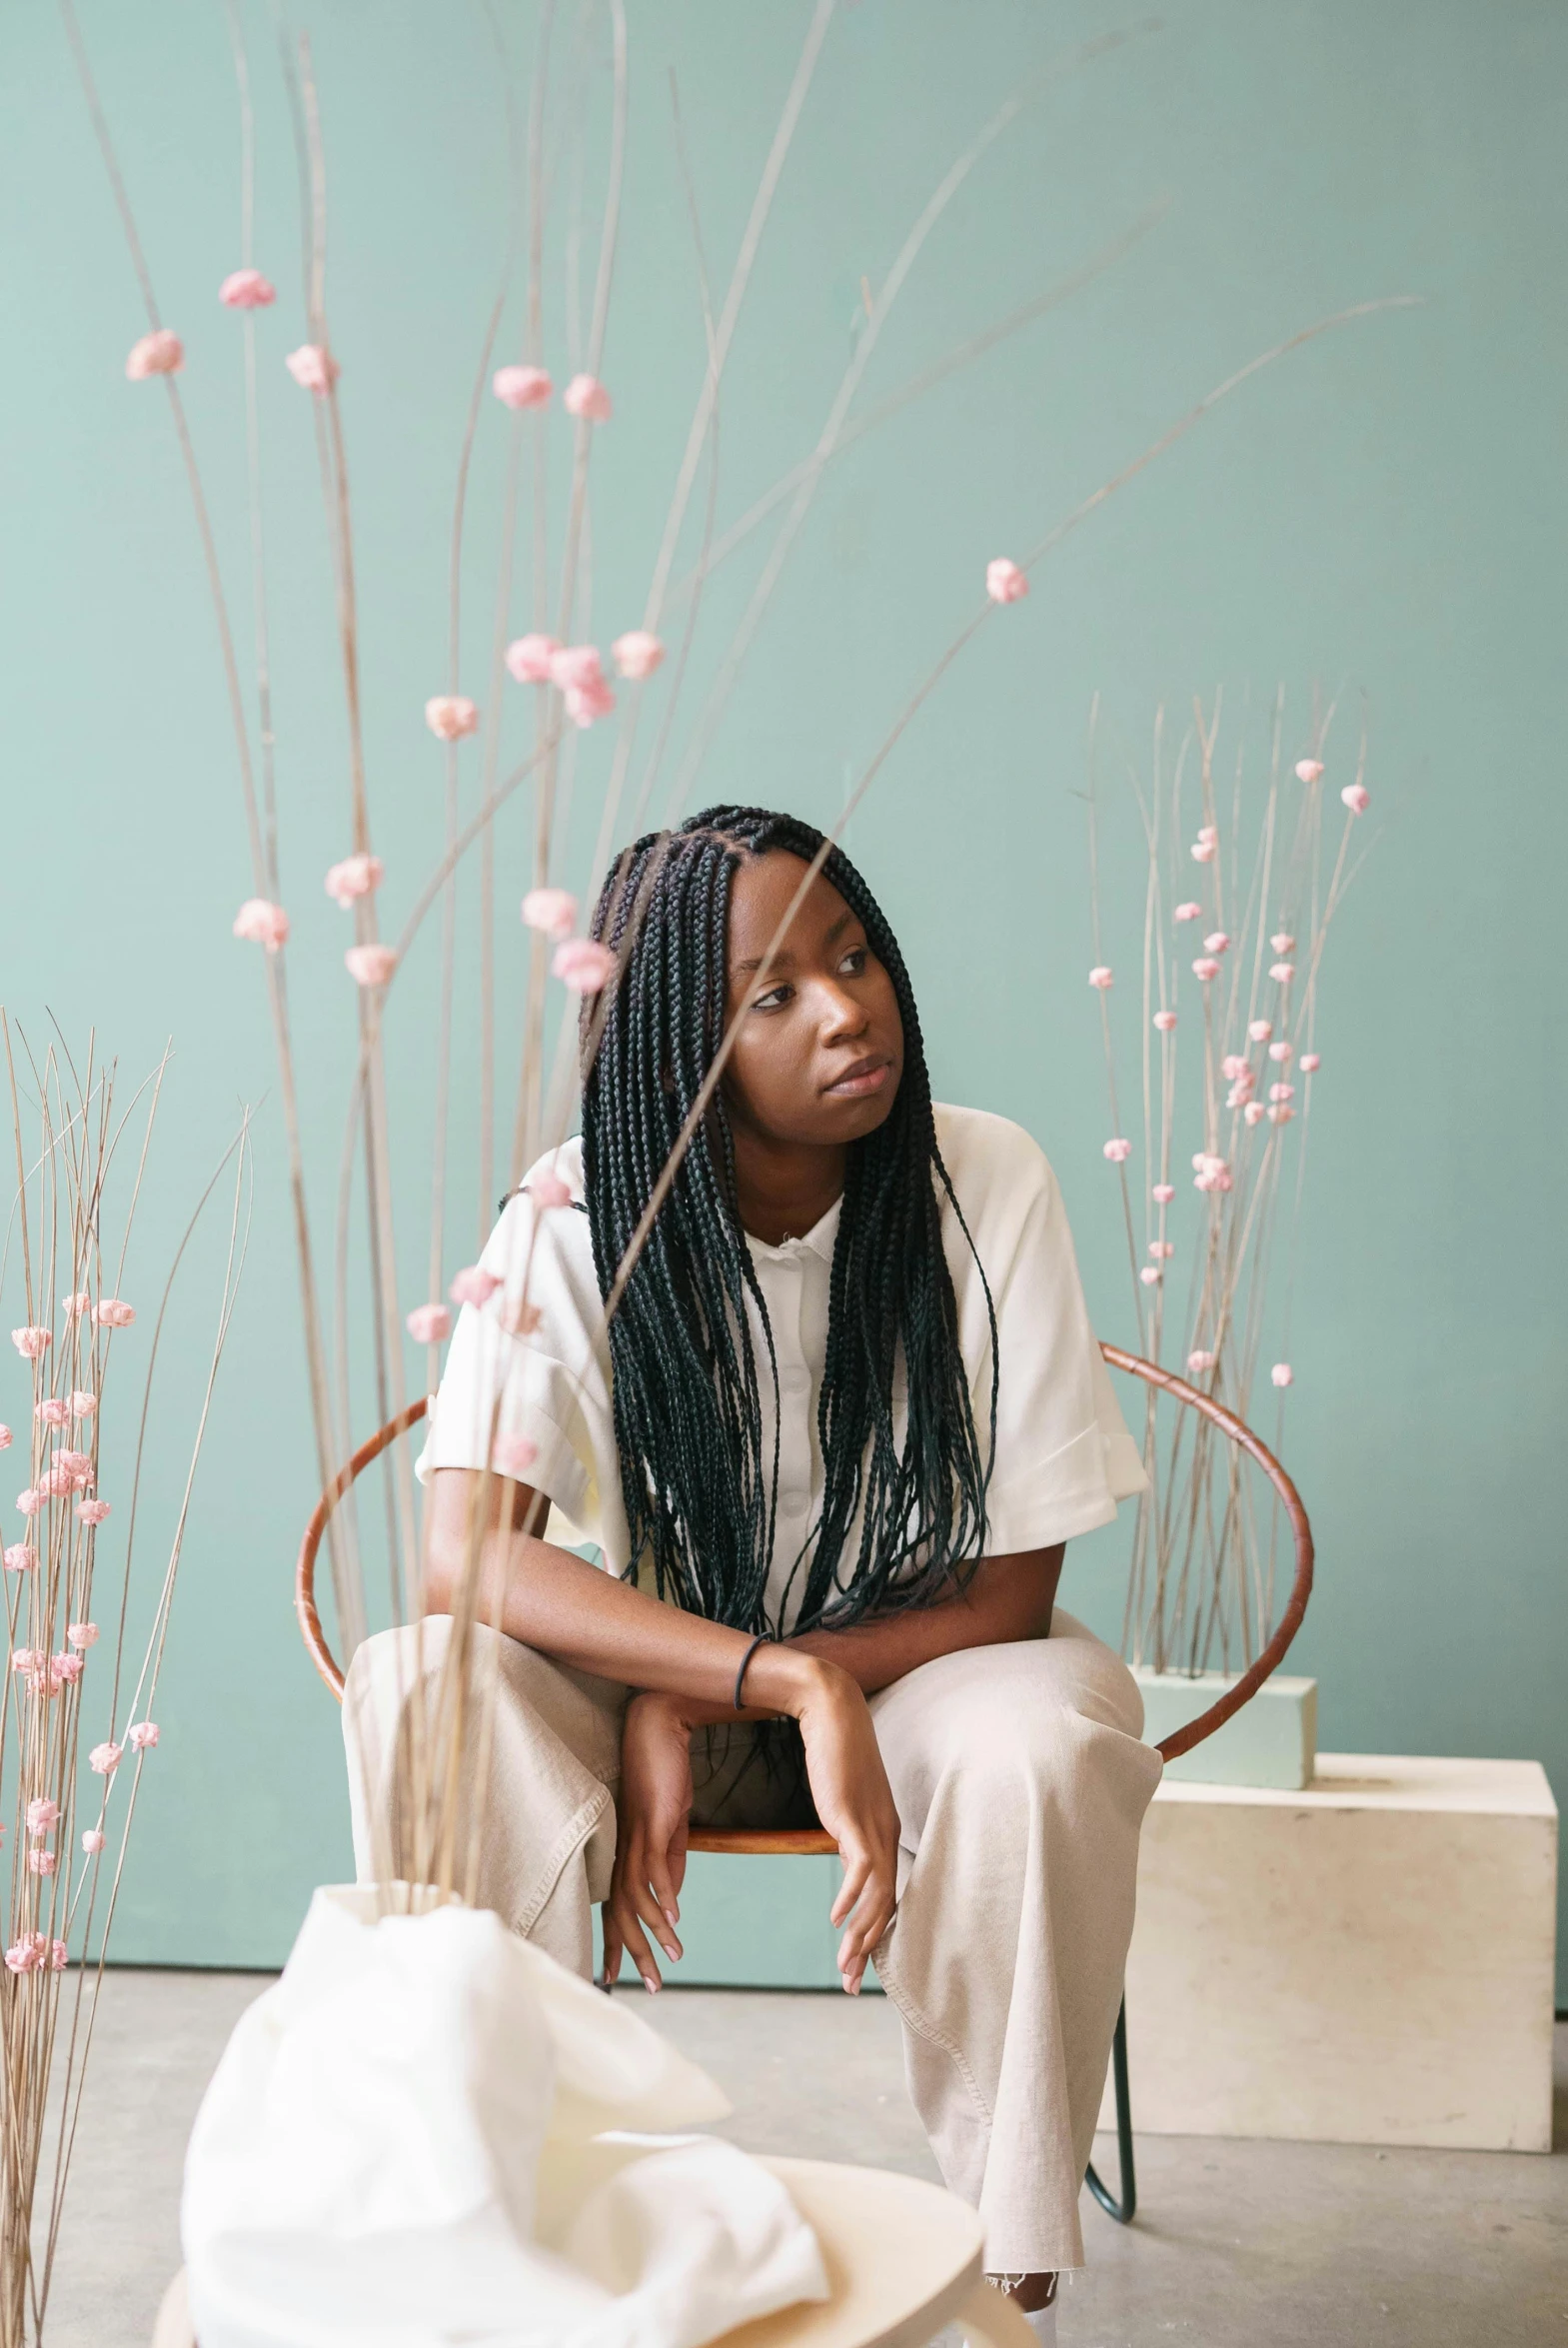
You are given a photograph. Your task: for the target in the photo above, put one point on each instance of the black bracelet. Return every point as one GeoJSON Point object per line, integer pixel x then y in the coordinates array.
{"type": "Point", "coordinates": [763, 1639]}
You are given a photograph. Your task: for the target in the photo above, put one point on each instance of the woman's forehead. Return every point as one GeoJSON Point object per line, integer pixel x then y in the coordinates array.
{"type": "Point", "coordinates": [760, 897]}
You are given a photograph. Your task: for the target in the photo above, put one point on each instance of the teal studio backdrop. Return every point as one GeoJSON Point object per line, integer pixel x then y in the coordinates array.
{"type": "Point", "coordinates": [1381, 513]}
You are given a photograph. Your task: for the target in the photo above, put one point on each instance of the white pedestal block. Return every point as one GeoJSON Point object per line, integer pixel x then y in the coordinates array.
{"type": "Point", "coordinates": [1367, 1961]}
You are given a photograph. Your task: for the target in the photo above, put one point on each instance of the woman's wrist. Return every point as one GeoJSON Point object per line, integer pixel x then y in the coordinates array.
{"type": "Point", "coordinates": [781, 1679]}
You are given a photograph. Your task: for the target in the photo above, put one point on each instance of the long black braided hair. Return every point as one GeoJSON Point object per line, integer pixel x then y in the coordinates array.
{"type": "Point", "coordinates": [697, 1478]}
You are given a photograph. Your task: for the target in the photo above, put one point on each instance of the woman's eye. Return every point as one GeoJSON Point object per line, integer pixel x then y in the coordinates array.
{"type": "Point", "coordinates": [854, 961]}
{"type": "Point", "coordinates": [773, 999]}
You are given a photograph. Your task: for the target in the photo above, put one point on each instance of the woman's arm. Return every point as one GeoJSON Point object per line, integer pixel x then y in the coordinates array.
{"type": "Point", "coordinates": [558, 1603]}
{"type": "Point", "coordinates": [1009, 1599]}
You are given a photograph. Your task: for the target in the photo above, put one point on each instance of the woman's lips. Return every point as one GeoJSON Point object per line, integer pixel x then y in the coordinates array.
{"type": "Point", "coordinates": [866, 1076]}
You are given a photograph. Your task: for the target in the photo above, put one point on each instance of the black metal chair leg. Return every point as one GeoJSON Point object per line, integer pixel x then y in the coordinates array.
{"type": "Point", "coordinates": [1124, 2210]}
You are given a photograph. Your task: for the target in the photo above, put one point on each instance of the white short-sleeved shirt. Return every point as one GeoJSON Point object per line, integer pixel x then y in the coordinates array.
{"type": "Point", "coordinates": [1063, 1454]}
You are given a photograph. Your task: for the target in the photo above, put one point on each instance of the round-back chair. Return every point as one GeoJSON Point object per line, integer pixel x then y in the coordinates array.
{"type": "Point", "coordinates": [794, 1842]}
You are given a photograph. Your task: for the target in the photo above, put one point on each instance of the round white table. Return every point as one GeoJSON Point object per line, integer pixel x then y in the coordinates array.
{"type": "Point", "coordinates": [903, 2259]}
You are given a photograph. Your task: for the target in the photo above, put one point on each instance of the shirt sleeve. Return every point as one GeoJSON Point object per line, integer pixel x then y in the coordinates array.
{"type": "Point", "coordinates": [1063, 1457]}
{"type": "Point", "coordinates": [524, 1365]}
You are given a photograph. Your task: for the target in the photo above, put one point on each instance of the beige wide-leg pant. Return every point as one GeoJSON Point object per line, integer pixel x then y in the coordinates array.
{"type": "Point", "coordinates": [1021, 1783]}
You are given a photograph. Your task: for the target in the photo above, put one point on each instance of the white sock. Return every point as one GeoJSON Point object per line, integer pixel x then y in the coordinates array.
{"type": "Point", "coordinates": [1043, 2323]}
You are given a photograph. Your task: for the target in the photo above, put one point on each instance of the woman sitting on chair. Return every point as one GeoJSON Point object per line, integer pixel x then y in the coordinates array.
{"type": "Point", "coordinates": [848, 1412]}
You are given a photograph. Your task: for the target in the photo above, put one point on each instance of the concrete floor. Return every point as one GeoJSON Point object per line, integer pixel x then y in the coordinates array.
{"type": "Point", "coordinates": [1236, 2245]}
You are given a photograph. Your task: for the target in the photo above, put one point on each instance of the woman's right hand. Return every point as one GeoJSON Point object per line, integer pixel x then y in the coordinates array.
{"type": "Point", "coordinates": [855, 1802]}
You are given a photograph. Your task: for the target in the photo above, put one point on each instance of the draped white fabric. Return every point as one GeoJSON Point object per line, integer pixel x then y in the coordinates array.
{"type": "Point", "coordinates": [429, 2132]}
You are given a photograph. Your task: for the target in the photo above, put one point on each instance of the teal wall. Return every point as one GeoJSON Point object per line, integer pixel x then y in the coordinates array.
{"type": "Point", "coordinates": [1382, 514]}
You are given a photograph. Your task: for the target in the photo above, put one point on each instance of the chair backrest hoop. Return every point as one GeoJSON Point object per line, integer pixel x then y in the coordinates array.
{"type": "Point", "coordinates": [1182, 1740]}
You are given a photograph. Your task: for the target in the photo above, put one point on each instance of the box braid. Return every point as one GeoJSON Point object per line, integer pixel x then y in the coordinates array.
{"type": "Point", "coordinates": [695, 1469]}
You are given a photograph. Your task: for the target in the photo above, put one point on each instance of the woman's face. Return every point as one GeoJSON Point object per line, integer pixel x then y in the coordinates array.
{"type": "Point", "coordinates": [819, 1048]}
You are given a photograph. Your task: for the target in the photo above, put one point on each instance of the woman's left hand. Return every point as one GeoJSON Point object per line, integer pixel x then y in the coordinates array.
{"type": "Point", "coordinates": [653, 1820]}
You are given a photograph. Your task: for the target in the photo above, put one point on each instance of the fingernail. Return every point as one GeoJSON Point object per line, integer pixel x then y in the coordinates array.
{"type": "Point", "coordinates": [650, 1984]}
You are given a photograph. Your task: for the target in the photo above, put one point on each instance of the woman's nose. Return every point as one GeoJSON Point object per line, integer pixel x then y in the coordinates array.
{"type": "Point", "coordinates": [841, 1012]}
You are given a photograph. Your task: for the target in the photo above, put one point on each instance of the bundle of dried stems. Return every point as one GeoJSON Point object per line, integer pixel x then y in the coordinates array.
{"type": "Point", "coordinates": [1250, 893]}
{"type": "Point", "coordinates": [68, 1789]}
{"type": "Point", "coordinates": [557, 663]}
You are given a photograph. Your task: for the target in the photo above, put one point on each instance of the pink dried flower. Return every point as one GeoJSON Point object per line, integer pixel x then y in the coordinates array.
{"type": "Point", "coordinates": [1165, 1021]}
{"type": "Point", "coordinates": [42, 1816]}
{"type": "Point", "coordinates": [1216, 942]}
{"type": "Point", "coordinates": [1189, 912]}
{"type": "Point", "coordinates": [1004, 581]}
{"type": "Point", "coordinates": [141, 1734]}
{"type": "Point", "coordinates": [1357, 798]}
{"type": "Point", "coordinates": [1282, 941]}
{"type": "Point", "coordinates": [32, 1343]}
{"type": "Point", "coordinates": [371, 966]}
{"type": "Point", "coordinates": [114, 1313]}
{"type": "Point", "coordinates": [429, 1325]}
{"type": "Point", "coordinates": [77, 1465]}
{"type": "Point", "coordinates": [1281, 1092]}
{"type": "Point", "coordinates": [1101, 975]}
{"type": "Point", "coordinates": [5, 1439]}
{"type": "Point", "coordinates": [21, 1557]}
{"type": "Point", "coordinates": [1210, 1173]}
{"type": "Point", "coordinates": [1282, 1375]}
{"type": "Point", "coordinates": [1161, 1249]}
{"type": "Point", "coordinates": [94, 1841]}
{"type": "Point", "coordinates": [1279, 1115]}
{"type": "Point", "coordinates": [104, 1759]}
{"type": "Point", "coordinates": [1150, 1275]}
{"type": "Point", "coordinates": [578, 670]}
{"type": "Point", "coordinates": [313, 368]}
{"type": "Point", "coordinates": [1281, 1051]}
{"type": "Point", "coordinates": [1209, 834]}
{"type": "Point", "coordinates": [76, 1306]}
{"type": "Point", "coordinates": [83, 1403]}
{"type": "Point", "coordinates": [59, 1958]}
{"type": "Point", "coordinates": [356, 876]}
{"type": "Point", "coordinates": [262, 923]}
{"type": "Point", "coordinates": [1308, 770]}
{"type": "Point", "coordinates": [1283, 972]}
{"type": "Point", "coordinates": [636, 654]}
{"type": "Point", "coordinates": [473, 1285]}
{"type": "Point", "coordinates": [247, 289]}
{"type": "Point", "coordinates": [1198, 1360]}
{"type": "Point", "coordinates": [1241, 1091]}
{"type": "Point", "coordinates": [1118, 1150]}
{"type": "Point", "coordinates": [83, 1634]}
{"type": "Point", "coordinates": [1310, 1063]}
{"type": "Point", "coordinates": [50, 1411]}
{"type": "Point", "coordinates": [514, 1455]}
{"type": "Point", "coordinates": [551, 909]}
{"type": "Point", "coordinates": [92, 1512]}
{"type": "Point", "coordinates": [40, 1862]}
{"type": "Point", "coordinates": [530, 658]}
{"type": "Point", "coordinates": [1235, 1065]}
{"type": "Point", "coordinates": [27, 1954]}
{"type": "Point", "coordinates": [56, 1481]}
{"type": "Point", "coordinates": [158, 352]}
{"type": "Point", "coordinates": [1202, 852]}
{"type": "Point", "coordinates": [26, 1658]}
{"type": "Point", "coordinates": [586, 398]}
{"type": "Point", "coordinates": [29, 1501]}
{"type": "Point", "coordinates": [547, 1190]}
{"type": "Point", "coordinates": [1260, 1031]}
{"type": "Point", "coordinates": [450, 716]}
{"type": "Point", "coordinates": [1163, 1192]}
{"type": "Point", "coordinates": [1205, 967]}
{"type": "Point", "coordinates": [1252, 1112]}
{"type": "Point", "coordinates": [522, 387]}
{"type": "Point", "coordinates": [584, 964]}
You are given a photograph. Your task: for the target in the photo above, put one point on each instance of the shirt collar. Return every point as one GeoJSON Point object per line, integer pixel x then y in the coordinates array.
{"type": "Point", "coordinates": [820, 1240]}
